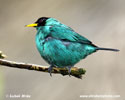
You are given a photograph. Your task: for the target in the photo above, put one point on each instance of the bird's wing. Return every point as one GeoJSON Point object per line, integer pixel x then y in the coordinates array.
{"type": "Point", "coordinates": [67, 34]}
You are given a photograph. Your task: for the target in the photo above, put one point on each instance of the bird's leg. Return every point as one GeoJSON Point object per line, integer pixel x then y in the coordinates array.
{"type": "Point", "coordinates": [50, 69]}
{"type": "Point", "coordinates": [69, 69]}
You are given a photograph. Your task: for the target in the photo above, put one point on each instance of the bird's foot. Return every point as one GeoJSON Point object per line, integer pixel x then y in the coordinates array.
{"type": "Point", "coordinates": [50, 70]}
{"type": "Point", "coordinates": [69, 70]}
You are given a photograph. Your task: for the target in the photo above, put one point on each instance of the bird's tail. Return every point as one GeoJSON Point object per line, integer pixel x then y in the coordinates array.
{"type": "Point", "coordinates": [108, 49]}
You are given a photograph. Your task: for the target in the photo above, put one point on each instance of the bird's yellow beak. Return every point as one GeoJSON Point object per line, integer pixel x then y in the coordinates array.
{"type": "Point", "coordinates": [32, 25]}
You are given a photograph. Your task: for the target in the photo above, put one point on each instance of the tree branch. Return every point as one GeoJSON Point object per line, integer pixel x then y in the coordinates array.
{"type": "Point", "coordinates": [76, 72]}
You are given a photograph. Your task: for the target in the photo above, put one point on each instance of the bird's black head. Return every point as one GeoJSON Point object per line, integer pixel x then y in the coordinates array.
{"type": "Point", "coordinates": [41, 21]}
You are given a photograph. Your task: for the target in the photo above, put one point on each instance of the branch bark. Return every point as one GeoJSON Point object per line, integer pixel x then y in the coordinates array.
{"type": "Point", "coordinates": [76, 72]}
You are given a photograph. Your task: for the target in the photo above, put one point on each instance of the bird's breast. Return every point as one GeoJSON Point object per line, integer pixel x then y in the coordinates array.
{"type": "Point", "coordinates": [58, 52]}
{"type": "Point", "coordinates": [61, 52]}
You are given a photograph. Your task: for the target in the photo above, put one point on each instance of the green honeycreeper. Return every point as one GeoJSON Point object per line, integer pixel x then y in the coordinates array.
{"type": "Point", "coordinates": [59, 45]}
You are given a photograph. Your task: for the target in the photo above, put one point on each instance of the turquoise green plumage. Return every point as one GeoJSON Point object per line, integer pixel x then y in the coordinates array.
{"type": "Point", "coordinates": [60, 45]}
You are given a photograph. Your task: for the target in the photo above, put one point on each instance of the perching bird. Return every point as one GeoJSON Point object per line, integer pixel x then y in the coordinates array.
{"type": "Point", "coordinates": [60, 45]}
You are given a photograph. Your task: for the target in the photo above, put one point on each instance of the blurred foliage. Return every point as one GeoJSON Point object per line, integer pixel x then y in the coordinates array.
{"type": "Point", "coordinates": [2, 55]}
{"type": "Point", "coordinates": [1, 85]}
{"type": "Point", "coordinates": [1, 78]}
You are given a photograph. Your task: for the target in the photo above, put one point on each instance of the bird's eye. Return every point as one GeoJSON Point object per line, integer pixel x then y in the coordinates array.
{"type": "Point", "coordinates": [41, 21]}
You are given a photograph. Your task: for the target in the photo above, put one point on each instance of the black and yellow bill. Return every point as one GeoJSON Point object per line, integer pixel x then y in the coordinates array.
{"type": "Point", "coordinates": [32, 25]}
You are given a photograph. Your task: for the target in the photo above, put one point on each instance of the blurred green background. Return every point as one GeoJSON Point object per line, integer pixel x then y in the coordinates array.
{"type": "Point", "coordinates": [101, 21]}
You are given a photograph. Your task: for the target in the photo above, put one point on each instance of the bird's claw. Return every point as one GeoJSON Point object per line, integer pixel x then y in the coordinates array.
{"type": "Point", "coordinates": [50, 70]}
{"type": "Point", "coordinates": [69, 71]}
